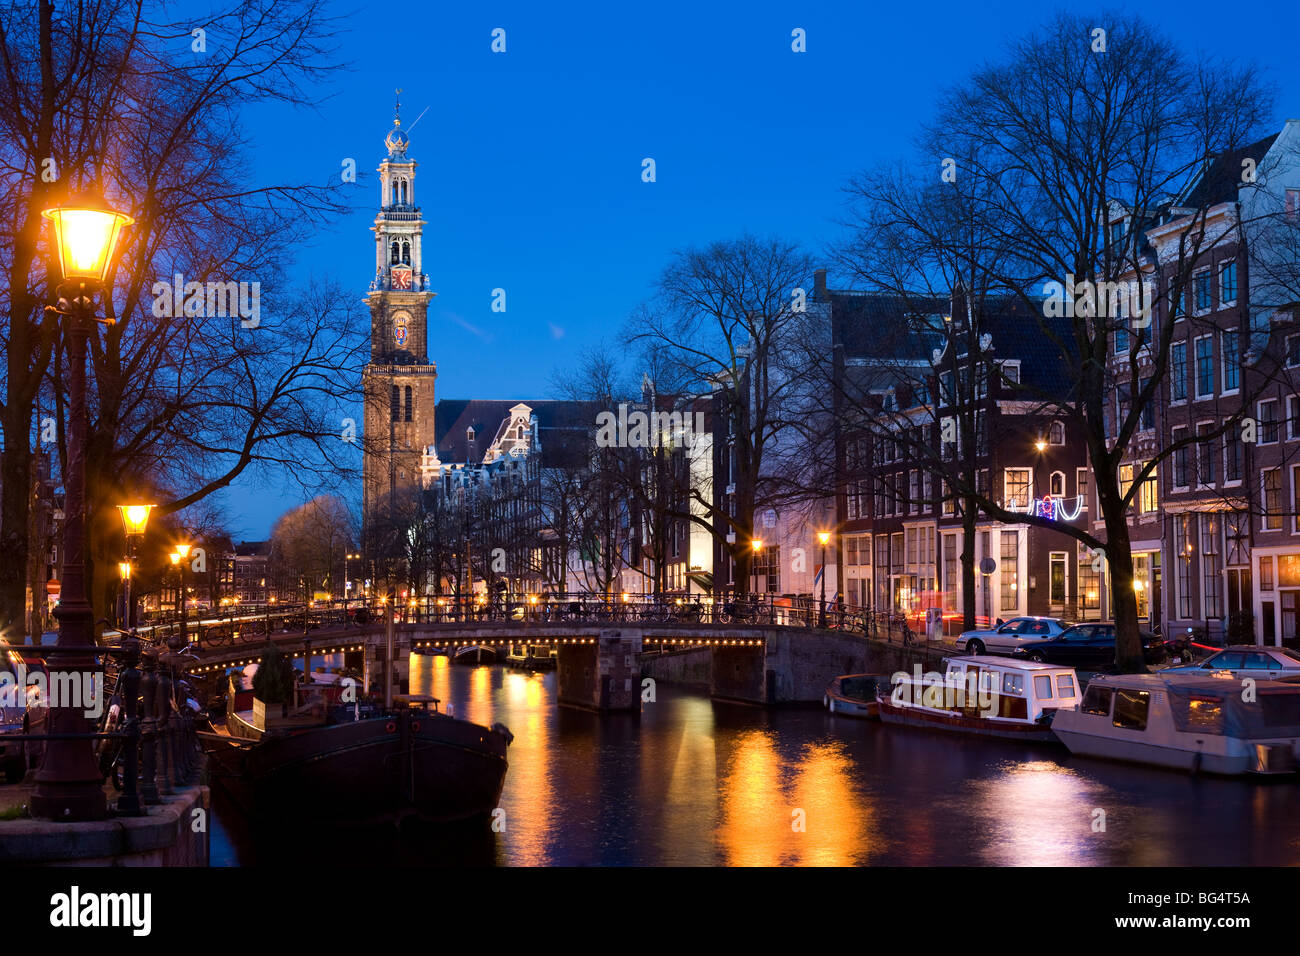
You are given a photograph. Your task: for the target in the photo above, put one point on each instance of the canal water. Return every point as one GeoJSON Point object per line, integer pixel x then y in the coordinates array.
{"type": "Point", "coordinates": [696, 782]}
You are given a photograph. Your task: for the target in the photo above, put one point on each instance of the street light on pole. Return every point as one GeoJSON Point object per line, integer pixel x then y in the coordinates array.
{"type": "Point", "coordinates": [68, 785]}
{"type": "Point", "coordinates": [135, 519]}
{"type": "Point", "coordinates": [824, 537]}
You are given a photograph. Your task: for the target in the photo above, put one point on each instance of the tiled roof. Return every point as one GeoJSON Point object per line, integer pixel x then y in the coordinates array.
{"type": "Point", "coordinates": [1222, 176]}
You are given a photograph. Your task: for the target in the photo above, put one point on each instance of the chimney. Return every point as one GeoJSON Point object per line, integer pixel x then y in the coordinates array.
{"type": "Point", "coordinates": [819, 285]}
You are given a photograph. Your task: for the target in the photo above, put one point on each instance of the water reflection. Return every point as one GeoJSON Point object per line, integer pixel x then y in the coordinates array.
{"type": "Point", "coordinates": [694, 782]}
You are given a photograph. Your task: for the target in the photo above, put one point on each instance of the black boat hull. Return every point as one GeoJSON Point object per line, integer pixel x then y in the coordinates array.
{"type": "Point", "coordinates": [424, 765]}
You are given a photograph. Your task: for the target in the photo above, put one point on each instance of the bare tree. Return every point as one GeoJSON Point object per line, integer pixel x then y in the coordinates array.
{"type": "Point", "coordinates": [106, 98]}
{"type": "Point", "coordinates": [1084, 125]}
{"type": "Point", "coordinates": [723, 322]}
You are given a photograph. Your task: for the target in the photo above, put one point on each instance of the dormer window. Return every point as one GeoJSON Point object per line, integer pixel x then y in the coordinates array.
{"type": "Point", "coordinates": [469, 433]}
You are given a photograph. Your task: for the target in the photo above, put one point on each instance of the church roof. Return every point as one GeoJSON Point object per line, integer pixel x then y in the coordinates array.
{"type": "Point", "coordinates": [566, 429]}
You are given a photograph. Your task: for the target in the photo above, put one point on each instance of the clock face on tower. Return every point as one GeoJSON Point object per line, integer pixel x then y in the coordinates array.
{"type": "Point", "coordinates": [401, 278]}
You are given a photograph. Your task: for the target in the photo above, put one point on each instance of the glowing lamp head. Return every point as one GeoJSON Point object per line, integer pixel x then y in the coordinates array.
{"type": "Point", "coordinates": [175, 557]}
{"type": "Point", "coordinates": [135, 518]}
{"type": "Point", "coordinates": [124, 570]}
{"type": "Point", "coordinates": [1040, 445]}
{"type": "Point", "coordinates": [824, 537]}
{"type": "Point", "coordinates": [86, 236]}
{"type": "Point", "coordinates": [758, 545]}
{"type": "Point", "coordinates": [183, 550]}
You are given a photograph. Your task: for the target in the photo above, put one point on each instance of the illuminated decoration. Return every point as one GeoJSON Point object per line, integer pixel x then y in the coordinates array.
{"type": "Point", "coordinates": [1050, 507]}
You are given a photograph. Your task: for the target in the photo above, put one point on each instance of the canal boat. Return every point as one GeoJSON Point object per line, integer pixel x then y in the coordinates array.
{"type": "Point", "coordinates": [855, 695]}
{"type": "Point", "coordinates": [359, 763]}
{"type": "Point", "coordinates": [1012, 699]}
{"type": "Point", "coordinates": [531, 657]}
{"type": "Point", "coordinates": [474, 654]}
{"type": "Point", "coordinates": [1187, 722]}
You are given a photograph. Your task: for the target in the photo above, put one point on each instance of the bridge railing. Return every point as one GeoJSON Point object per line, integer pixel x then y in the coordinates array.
{"type": "Point", "coordinates": [256, 625]}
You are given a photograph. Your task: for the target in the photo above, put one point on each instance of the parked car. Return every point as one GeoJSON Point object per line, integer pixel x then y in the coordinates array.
{"type": "Point", "coordinates": [1004, 638]}
{"type": "Point", "coordinates": [1090, 646]}
{"type": "Point", "coordinates": [1245, 660]}
{"type": "Point", "coordinates": [21, 711]}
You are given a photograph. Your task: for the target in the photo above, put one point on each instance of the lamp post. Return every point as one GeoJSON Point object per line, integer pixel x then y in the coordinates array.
{"type": "Point", "coordinates": [824, 537]}
{"type": "Point", "coordinates": [135, 519]}
{"type": "Point", "coordinates": [68, 784]}
{"type": "Point", "coordinates": [183, 550]}
{"type": "Point", "coordinates": [124, 572]}
{"type": "Point", "coordinates": [757, 545]}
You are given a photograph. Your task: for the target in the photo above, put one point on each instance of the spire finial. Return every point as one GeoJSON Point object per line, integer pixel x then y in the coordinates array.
{"type": "Point", "coordinates": [397, 108]}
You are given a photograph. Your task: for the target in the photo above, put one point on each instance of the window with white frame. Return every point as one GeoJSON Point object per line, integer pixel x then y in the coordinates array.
{"type": "Point", "coordinates": [1212, 591]}
{"type": "Point", "coordinates": [1228, 283]}
{"type": "Point", "coordinates": [1204, 366]}
{"type": "Point", "coordinates": [1056, 433]}
{"type": "Point", "coordinates": [1201, 291]}
{"type": "Point", "coordinates": [1271, 487]}
{"type": "Point", "coordinates": [1268, 423]}
{"type": "Point", "coordinates": [1149, 493]}
{"type": "Point", "coordinates": [1056, 484]}
{"type": "Point", "coordinates": [1081, 485]}
{"type": "Point", "coordinates": [1016, 488]}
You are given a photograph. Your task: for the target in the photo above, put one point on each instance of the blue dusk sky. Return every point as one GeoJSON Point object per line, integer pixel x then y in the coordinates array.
{"type": "Point", "coordinates": [529, 170]}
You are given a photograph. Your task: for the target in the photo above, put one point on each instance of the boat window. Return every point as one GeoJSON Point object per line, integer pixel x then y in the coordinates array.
{"type": "Point", "coordinates": [1013, 707]}
{"type": "Point", "coordinates": [1280, 710]}
{"type": "Point", "coordinates": [1131, 709]}
{"type": "Point", "coordinates": [1064, 685]}
{"type": "Point", "coordinates": [1013, 684]}
{"type": "Point", "coordinates": [1043, 687]}
{"type": "Point", "coordinates": [1261, 662]}
{"type": "Point", "coordinates": [1205, 715]}
{"type": "Point", "coordinates": [1096, 700]}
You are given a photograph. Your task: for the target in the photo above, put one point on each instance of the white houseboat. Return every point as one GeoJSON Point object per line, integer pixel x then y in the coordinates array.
{"type": "Point", "coordinates": [1219, 725]}
{"type": "Point", "coordinates": [981, 695]}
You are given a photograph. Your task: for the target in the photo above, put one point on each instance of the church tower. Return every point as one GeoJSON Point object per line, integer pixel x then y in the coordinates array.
{"type": "Point", "coordinates": [397, 383]}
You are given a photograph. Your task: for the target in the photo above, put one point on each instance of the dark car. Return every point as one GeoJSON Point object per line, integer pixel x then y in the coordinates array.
{"type": "Point", "coordinates": [21, 712]}
{"type": "Point", "coordinates": [1090, 646]}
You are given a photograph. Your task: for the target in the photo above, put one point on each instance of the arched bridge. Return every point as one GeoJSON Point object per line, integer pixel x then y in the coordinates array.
{"type": "Point", "coordinates": [762, 654]}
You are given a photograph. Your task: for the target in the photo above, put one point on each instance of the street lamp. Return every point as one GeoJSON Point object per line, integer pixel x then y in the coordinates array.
{"type": "Point", "coordinates": [824, 538]}
{"type": "Point", "coordinates": [757, 545]}
{"type": "Point", "coordinates": [69, 786]}
{"type": "Point", "coordinates": [135, 519]}
{"type": "Point", "coordinates": [124, 572]}
{"type": "Point", "coordinates": [178, 559]}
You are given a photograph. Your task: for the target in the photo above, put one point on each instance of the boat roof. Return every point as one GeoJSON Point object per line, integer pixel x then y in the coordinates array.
{"type": "Point", "coordinates": [1194, 683]}
{"type": "Point", "coordinates": [1007, 663]}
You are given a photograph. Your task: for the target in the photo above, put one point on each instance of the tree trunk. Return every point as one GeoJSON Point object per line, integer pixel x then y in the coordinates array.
{"type": "Point", "coordinates": [968, 578]}
{"type": "Point", "coordinates": [1123, 599]}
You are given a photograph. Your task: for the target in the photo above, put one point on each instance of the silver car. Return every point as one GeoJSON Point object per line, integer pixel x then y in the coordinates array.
{"type": "Point", "coordinates": [1006, 637]}
{"type": "Point", "coordinates": [1245, 660]}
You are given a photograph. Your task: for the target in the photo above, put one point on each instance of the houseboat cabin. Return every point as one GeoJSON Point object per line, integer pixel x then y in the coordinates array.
{"type": "Point", "coordinates": [1220, 725]}
{"type": "Point", "coordinates": [982, 695]}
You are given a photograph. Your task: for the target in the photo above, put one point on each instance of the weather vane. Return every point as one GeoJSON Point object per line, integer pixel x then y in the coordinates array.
{"type": "Point", "coordinates": [397, 108]}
